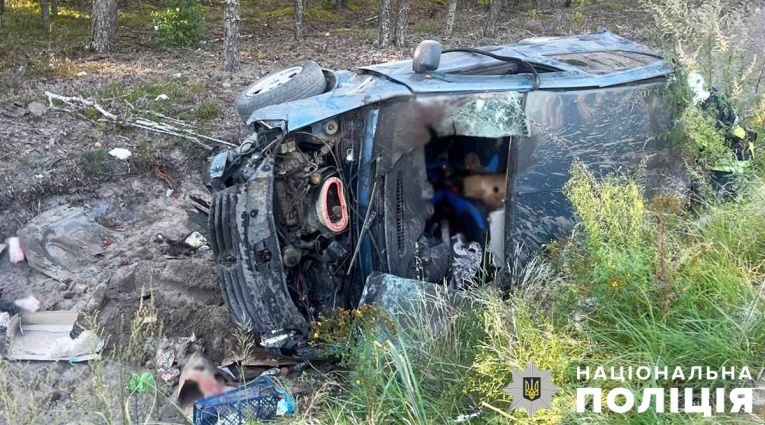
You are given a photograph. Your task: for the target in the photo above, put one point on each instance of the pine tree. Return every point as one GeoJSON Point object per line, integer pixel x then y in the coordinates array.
{"type": "Point", "coordinates": [402, 16]}
{"type": "Point", "coordinates": [231, 35]}
{"type": "Point", "coordinates": [384, 35]}
{"type": "Point", "coordinates": [103, 26]}
{"type": "Point", "coordinates": [45, 14]}
{"type": "Point", "coordinates": [491, 23]}
{"type": "Point", "coordinates": [451, 15]}
{"type": "Point", "coordinates": [299, 20]}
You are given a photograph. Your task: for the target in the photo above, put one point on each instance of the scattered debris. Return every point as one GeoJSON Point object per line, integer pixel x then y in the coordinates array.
{"type": "Point", "coordinates": [29, 304]}
{"type": "Point", "coordinates": [257, 357]}
{"type": "Point", "coordinates": [466, 261]}
{"type": "Point", "coordinates": [496, 239]}
{"type": "Point", "coordinates": [5, 318]}
{"type": "Point", "coordinates": [186, 133]}
{"type": "Point", "coordinates": [195, 240]}
{"type": "Point", "coordinates": [2, 247]}
{"type": "Point", "coordinates": [82, 74]}
{"type": "Point", "coordinates": [226, 85]}
{"type": "Point", "coordinates": [45, 336]}
{"type": "Point", "coordinates": [159, 238]}
{"type": "Point", "coordinates": [15, 253]}
{"type": "Point", "coordinates": [37, 109]}
{"type": "Point", "coordinates": [199, 379]}
{"type": "Point", "coordinates": [465, 418]}
{"type": "Point", "coordinates": [97, 145]}
{"type": "Point", "coordinates": [274, 371]}
{"type": "Point", "coordinates": [400, 297]}
{"type": "Point", "coordinates": [258, 400]}
{"type": "Point", "coordinates": [162, 97]}
{"type": "Point", "coordinates": [168, 193]}
{"type": "Point", "coordinates": [120, 153]}
{"type": "Point", "coordinates": [141, 382]}
{"type": "Point", "coordinates": [96, 300]}
{"type": "Point", "coordinates": [65, 240]}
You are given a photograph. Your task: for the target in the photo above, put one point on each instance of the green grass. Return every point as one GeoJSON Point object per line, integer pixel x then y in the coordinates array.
{"type": "Point", "coordinates": [97, 161]}
{"type": "Point", "coordinates": [207, 111]}
{"type": "Point", "coordinates": [181, 92]}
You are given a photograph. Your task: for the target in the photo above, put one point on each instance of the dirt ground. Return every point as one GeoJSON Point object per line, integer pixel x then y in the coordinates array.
{"type": "Point", "coordinates": [44, 160]}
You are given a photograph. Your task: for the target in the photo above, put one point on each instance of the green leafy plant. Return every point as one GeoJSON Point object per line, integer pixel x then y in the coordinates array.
{"type": "Point", "coordinates": [180, 24]}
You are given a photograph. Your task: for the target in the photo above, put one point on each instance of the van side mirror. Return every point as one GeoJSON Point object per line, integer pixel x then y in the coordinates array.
{"type": "Point", "coordinates": [427, 56]}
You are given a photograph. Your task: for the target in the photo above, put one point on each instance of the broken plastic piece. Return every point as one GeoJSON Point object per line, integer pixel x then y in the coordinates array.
{"type": "Point", "coordinates": [64, 241]}
{"type": "Point", "coordinates": [30, 304]}
{"type": "Point", "coordinates": [120, 153]}
{"type": "Point", "coordinates": [466, 261]}
{"type": "Point", "coordinates": [14, 250]}
{"type": "Point", "coordinates": [162, 97]}
{"type": "Point", "coordinates": [195, 240]}
{"type": "Point", "coordinates": [497, 237]}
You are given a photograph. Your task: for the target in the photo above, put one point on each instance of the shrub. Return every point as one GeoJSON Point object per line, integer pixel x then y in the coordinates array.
{"type": "Point", "coordinates": [416, 374]}
{"type": "Point", "coordinates": [207, 111]}
{"type": "Point", "coordinates": [180, 24]}
{"type": "Point", "coordinates": [97, 161]}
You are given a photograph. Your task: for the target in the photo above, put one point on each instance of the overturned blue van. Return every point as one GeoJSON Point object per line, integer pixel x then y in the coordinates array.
{"type": "Point", "coordinates": [422, 168]}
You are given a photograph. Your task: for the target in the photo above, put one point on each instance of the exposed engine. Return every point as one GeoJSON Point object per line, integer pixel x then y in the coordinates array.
{"type": "Point", "coordinates": [312, 212]}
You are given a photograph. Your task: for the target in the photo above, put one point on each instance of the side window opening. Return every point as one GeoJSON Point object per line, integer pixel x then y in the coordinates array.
{"type": "Point", "coordinates": [459, 148]}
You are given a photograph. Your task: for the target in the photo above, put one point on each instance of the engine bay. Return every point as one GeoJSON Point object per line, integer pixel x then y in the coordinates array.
{"type": "Point", "coordinates": [440, 195]}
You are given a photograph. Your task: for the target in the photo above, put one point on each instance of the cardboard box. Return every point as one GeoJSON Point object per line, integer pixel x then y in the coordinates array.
{"type": "Point", "coordinates": [45, 336]}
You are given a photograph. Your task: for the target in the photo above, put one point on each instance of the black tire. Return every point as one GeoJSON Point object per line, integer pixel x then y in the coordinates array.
{"type": "Point", "coordinates": [308, 82]}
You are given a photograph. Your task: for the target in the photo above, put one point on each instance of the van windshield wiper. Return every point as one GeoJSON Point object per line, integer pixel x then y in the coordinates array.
{"type": "Point", "coordinates": [509, 59]}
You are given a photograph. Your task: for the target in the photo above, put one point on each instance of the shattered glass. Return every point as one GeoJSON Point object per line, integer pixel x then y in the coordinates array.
{"type": "Point", "coordinates": [490, 115]}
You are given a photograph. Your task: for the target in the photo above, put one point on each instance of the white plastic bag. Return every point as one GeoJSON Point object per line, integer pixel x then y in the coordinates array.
{"type": "Point", "coordinates": [14, 250]}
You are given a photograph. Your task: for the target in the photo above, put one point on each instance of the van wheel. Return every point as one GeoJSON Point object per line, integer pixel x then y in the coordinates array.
{"type": "Point", "coordinates": [297, 81]}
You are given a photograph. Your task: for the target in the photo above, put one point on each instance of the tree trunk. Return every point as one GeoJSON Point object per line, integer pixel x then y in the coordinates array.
{"type": "Point", "coordinates": [103, 24]}
{"type": "Point", "coordinates": [45, 14]}
{"type": "Point", "coordinates": [384, 35]}
{"type": "Point", "coordinates": [54, 8]}
{"type": "Point", "coordinates": [491, 22]}
{"type": "Point", "coordinates": [402, 17]}
{"type": "Point", "coordinates": [451, 14]}
{"type": "Point", "coordinates": [299, 20]}
{"type": "Point", "coordinates": [231, 35]}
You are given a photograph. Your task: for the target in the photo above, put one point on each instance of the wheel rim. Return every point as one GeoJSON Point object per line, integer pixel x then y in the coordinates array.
{"type": "Point", "coordinates": [274, 80]}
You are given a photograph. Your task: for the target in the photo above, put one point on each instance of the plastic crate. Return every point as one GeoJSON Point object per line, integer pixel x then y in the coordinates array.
{"type": "Point", "coordinates": [257, 401]}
